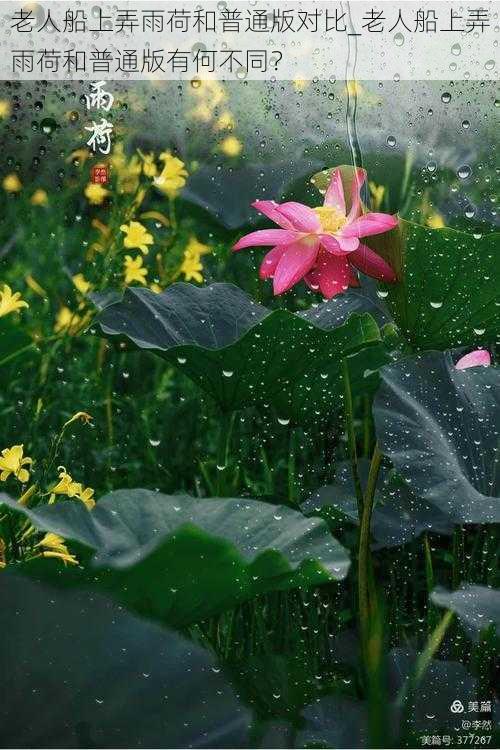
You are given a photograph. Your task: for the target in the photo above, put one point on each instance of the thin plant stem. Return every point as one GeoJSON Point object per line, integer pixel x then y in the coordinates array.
{"type": "Point", "coordinates": [422, 663]}
{"type": "Point", "coordinates": [351, 435]}
{"type": "Point", "coordinates": [366, 589]}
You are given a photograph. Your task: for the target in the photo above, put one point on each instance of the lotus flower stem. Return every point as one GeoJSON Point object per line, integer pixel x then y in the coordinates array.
{"type": "Point", "coordinates": [366, 592]}
{"type": "Point", "coordinates": [351, 436]}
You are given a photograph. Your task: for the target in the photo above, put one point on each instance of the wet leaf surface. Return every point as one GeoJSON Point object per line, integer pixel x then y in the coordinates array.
{"type": "Point", "coordinates": [180, 559]}
{"type": "Point", "coordinates": [439, 427]}
{"type": "Point", "coordinates": [242, 353]}
{"type": "Point", "coordinates": [478, 607]}
{"type": "Point", "coordinates": [85, 673]}
{"type": "Point", "coordinates": [398, 516]}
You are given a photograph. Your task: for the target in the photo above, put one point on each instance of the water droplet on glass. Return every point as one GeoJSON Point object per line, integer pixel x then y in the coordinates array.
{"type": "Point", "coordinates": [456, 49]}
{"type": "Point", "coordinates": [446, 97]}
{"type": "Point", "coordinates": [466, 124]}
{"type": "Point", "coordinates": [283, 422]}
{"type": "Point", "coordinates": [399, 40]}
{"type": "Point", "coordinates": [464, 172]}
{"type": "Point", "coordinates": [436, 305]}
{"type": "Point", "coordinates": [228, 373]}
{"type": "Point", "coordinates": [489, 64]}
{"type": "Point", "coordinates": [391, 141]}
{"type": "Point", "coordinates": [48, 125]}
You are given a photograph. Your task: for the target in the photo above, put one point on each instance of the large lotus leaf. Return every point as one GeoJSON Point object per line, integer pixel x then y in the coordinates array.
{"type": "Point", "coordinates": [82, 672]}
{"type": "Point", "coordinates": [340, 722]}
{"type": "Point", "coordinates": [181, 559]}
{"type": "Point", "coordinates": [398, 515]}
{"type": "Point", "coordinates": [447, 291]}
{"type": "Point", "coordinates": [243, 353]}
{"type": "Point", "coordinates": [227, 193]}
{"type": "Point", "coordinates": [478, 607]}
{"type": "Point", "coordinates": [439, 426]}
{"type": "Point", "coordinates": [442, 684]}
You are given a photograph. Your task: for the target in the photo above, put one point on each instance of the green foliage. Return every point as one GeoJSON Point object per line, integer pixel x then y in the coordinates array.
{"type": "Point", "coordinates": [112, 679]}
{"type": "Point", "coordinates": [242, 353]}
{"type": "Point", "coordinates": [448, 286]}
{"type": "Point", "coordinates": [179, 559]}
{"type": "Point", "coordinates": [439, 427]}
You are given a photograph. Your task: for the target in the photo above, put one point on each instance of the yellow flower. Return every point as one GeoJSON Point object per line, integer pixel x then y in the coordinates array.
{"type": "Point", "coordinates": [191, 268]}
{"type": "Point", "coordinates": [87, 497]}
{"type": "Point", "coordinates": [354, 88]}
{"type": "Point", "coordinates": [12, 183]}
{"type": "Point", "coordinates": [377, 193]}
{"type": "Point", "coordinates": [137, 236]}
{"type": "Point", "coordinates": [133, 270]}
{"type": "Point", "coordinates": [54, 547]}
{"type": "Point", "coordinates": [118, 159]}
{"type": "Point", "coordinates": [128, 177]}
{"type": "Point", "coordinates": [13, 462]}
{"type": "Point", "coordinates": [225, 121]}
{"type": "Point", "coordinates": [231, 146]}
{"type": "Point", "coordinates": [39, 198]}
{"type": "Point", "coordinates": [156, 288]}
{"type": "Point", "coordinates": [435, 221]}
{"type": "Point", "coordinates": [67, 486]}
{"type": "Point", "coordinates": [95, 193]}
{"type": "Point", "coordinates": [81, 283]}
{"type": "Point", "coordinates": [26, 496]}
{"type": "Point", "coordinates": [70, 322]}
{"type": "Point", "coordinates": [5, 109]}
{"type": "Point", "coordinates": [210, 94]}
{"type": "Point", "coordinates": [149, 165]}
{"type": "Point", "coordinates": [10, 302]}
{"type": "Point", "coordinates": [127, 170]}
{"type": "Point", "coordinates": [172, 178]}
{"type": "Point", "coordinates": [196, 248]}
{"type": "Point", "coordinates": [300, 84]}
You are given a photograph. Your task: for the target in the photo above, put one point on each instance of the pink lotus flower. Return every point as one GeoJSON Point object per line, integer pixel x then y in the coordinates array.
{"type": "Point", "coordinates": [477, 358]}
{"type": "Point", "coordinates": [321, 245]}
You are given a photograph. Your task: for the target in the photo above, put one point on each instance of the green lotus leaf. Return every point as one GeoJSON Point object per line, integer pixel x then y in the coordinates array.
{"type": "Point", "coordinates": [478, 607]}
{"type": "Point", "coordinates": [448, 290]}
{"type": "Point", "coordinates": [398, 516]}
{"type": "Point", "coordinates": [439, 426]}
{"type": "Point", "coordinates": [448, 280]}
{"type": "Point", "coordinates": [85, 673]}
{"type": "Point", "coordinates": [180, 559]}
{"type": "Point", "coordinates": [242, 353]}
